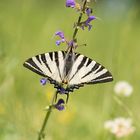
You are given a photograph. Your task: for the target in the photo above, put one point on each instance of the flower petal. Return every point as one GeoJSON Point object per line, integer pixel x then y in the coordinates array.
{"type": "Point", "coordinates": [60, 101]}
{"type": "Point", "coordinates": [58, 42]}
{"type": "Point", "coordinates": [70, 43]}
{"type": "Point", "coordinates": [123, 88]}
{"type": "Point", "coordinates": [90, 18]}
{"type": "Point", "coordinates": [88, 11]}
{"type": "Point", "coordinates": [70, 3]}
{"type": "Point", "coordinates": [43, 81]}
{"type": "Point", "coordinates": [60, 34]}
{"type": "Point", "coordinates": [60, 105]}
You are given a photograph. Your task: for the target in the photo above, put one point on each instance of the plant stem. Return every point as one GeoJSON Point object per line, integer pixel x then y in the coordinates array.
{"type": "Point", "coordinates": [41, 134]}
{"type": "Point", "coordinates": [76, 29]}
{"type": "Point", "coordinates": [79, 20]}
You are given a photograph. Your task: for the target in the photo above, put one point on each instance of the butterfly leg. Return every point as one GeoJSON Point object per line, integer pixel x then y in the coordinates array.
{"type": "Point", "coordinates": [55, 99]}
{"type": "Point", "coordinates": [67, 98]}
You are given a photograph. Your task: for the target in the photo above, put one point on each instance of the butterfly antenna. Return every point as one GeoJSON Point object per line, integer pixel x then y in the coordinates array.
{"type": "Point", "coordinates": [83, 45]}
{"type": "Point", "coordinates": [79, 46]}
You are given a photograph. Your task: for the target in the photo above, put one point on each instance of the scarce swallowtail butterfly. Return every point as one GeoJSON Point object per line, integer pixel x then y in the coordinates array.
{"type": "Point", "coordinates": [68, 70]}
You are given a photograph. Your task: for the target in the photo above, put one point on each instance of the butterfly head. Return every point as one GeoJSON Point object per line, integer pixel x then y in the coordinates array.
{"type": "Point", "coordinates": [65, 82]}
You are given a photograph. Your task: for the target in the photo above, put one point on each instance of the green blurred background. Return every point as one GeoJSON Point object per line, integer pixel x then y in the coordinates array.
{"type": "Point", "coordinates": [27, 28]}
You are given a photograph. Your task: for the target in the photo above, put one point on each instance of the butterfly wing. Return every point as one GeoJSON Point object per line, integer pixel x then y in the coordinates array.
{"type": "Point", "coordinates": [83, 71]}
{"type": "Point", "coordinates": [48, 65]}
{"type": "Point", "coordinates": [87, 71]}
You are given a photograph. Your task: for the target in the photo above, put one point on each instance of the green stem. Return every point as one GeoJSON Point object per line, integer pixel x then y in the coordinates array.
{"type": "Point", "coordinates": [79, 21]}
{"type": "Point", "coordinates": [76, 29]}
{"type": "Point", "coordinates": [42, 133]}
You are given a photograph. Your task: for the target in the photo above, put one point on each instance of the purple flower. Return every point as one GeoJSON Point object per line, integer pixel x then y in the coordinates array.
{"type": "Point", "coordinates": [86, 23]}
{"type": "Point", "coordinates": [71, 43]}
{"type": "Point", "coordinates": [70, 3]}
{"type": "Point", "coordinates": [60, 105]}
{"type": "Point", "coordinates": [43, 81]}
{"type": "Point", "coordinates": [63, 40]}
{"type": "Point", "coordinates": [60, 34]}
{"type": "Point", "coordinates": [88, 11]}
{"type": "Point", "coordinates": [58, 42]}
{"type": "Point", "coordinates": [90, 18]}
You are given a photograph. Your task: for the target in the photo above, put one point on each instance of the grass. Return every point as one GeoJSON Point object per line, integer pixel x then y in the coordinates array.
{"type": "Point", "coordinates": [26, 29]}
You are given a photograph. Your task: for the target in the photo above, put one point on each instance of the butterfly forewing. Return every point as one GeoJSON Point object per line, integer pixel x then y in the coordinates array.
{"type": "Point", "coordinates": [32, 65]}
{"type": "Point", "coordinates": [47, 65]}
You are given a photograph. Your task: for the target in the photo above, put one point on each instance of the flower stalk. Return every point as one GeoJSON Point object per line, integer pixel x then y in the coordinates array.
{"type": "Point", "coordinates": [79, 21]}
{"type": "Point", "coordinates": [41, 134]}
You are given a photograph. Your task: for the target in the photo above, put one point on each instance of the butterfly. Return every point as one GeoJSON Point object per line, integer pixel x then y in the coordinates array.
{"type": "Point", "coordinates": [68, 70]}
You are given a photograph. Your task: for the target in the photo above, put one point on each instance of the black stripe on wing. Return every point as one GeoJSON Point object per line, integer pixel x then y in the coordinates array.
{"type": "Point", "coordinates": [57, 63]}
{"type": "Point", "coordinates": [31, 65]}
{"type": "Point", "coordinates": [106, 77]}
{"type": "Point", "coordinates": [80, 65]}
{"type": "Point", "coordinates": [43, 58]}
{"type": "Point", "coordinates": [96, 66]}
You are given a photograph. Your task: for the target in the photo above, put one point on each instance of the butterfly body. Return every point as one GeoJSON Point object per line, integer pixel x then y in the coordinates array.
{"type": "Point", "coordinates": [68, 63]}
{"type": "Point", "coordinates": [68, 70]}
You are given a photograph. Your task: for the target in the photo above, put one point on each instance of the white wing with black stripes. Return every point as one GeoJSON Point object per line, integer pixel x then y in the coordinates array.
{"type": "Point", "coordinates": [88, 71]}
{"type": "Point", "coordinates": [73, 68]}
{"type": "Point", "coordinates": [49, 65]}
